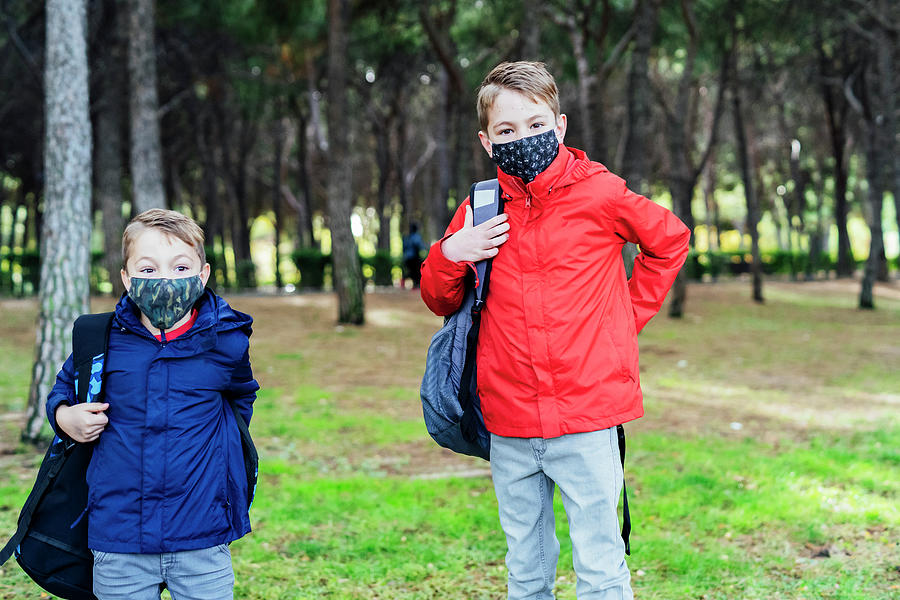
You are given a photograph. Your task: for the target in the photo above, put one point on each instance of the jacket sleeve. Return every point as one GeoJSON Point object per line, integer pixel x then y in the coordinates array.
{"type": "Point", "coordinates": [663, 240]}
{"type": "Point", "coordinates": [63, 392]}
{"type": "Point", "coordinates": [243, 387]}
{"type": "Point", "coordinates": [443, 282]}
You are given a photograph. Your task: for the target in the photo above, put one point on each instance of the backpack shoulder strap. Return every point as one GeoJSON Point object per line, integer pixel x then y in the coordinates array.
{"type": "Point", "coordinates": [90, 339]}
{"type": "Point", "coordinates": [484, 197]}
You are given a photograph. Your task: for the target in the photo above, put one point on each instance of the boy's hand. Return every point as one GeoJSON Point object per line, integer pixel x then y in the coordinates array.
{"type": "Point", "coordinates": [472, 244]}
{"type": "Point", "coordinates": [82, 422]}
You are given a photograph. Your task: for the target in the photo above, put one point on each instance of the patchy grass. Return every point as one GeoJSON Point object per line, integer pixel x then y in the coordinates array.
{"type": "Point", "coordinates": [766, 466]}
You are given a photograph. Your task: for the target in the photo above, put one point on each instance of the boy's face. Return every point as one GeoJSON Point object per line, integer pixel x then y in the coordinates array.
{"type": "Point", "coordinates": [155, 255]}
{"type": "Point", "coordinates": [514, 116]}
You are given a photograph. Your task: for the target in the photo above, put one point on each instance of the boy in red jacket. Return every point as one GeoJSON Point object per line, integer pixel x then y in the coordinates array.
{"type": "Point", "coordinates": [557, 354]}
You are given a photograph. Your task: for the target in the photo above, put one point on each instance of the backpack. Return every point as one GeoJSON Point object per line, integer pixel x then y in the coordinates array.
{"type": "Point", "coordinates": [450, 402]}
{"type": "Point", "coordinates": [50, 543]}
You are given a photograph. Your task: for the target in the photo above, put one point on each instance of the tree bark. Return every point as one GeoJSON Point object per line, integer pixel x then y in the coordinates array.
{"type": "Point", "coordinates": [146, 153]}
{"type": "Point", "coordinates": [346, 272]}
{"type": "Point", "coordinates": [749, 192]}
{"type": "Point", "coordinates": [108, 176]}
{"type": "Point", "coordinates": [836, 116]}
{"type": "Point", "coordinates": [635, 165]}
{"type": "Point", "coordinates": [278, 178]}
{"type": "Point", "coordinates": [65, 240]}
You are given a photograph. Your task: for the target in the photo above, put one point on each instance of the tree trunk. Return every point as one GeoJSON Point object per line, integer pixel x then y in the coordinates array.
{"type": "Point", "coordinates": [305, 235]}
{"type": "Point", "coordinates": [439, 213]}
{"type": "Point", "coordinates": [108, 170]}
{"type": "Point", "coordinates": [65, 241]}
{"type": "Point", "coordinates": [346, 272]}
{"type": "Point", "coordinates": [835, 116]}
{"type": "Point", "coordinates": [278, 176]}
{"type": "Point", "coordinates": [638, 94]}
{"type": "Point", "coordinates": [146, 154]}
{"type": "Point", "coordinates": [750, 194]}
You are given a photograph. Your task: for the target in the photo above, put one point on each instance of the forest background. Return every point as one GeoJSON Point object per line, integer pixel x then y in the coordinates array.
{"type": "Point", "coordinates": [307, 136]}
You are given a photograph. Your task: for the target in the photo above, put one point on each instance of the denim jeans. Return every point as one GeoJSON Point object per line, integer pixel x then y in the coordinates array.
{"type": "Point", "coordinates": [588, 471]}
{"type": "Point", "coordinates": [189, 575]}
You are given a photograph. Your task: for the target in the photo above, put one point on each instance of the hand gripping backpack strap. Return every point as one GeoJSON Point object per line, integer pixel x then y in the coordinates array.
{"type": "Point", "coordinates": [486, 203]}
{"type": "Point", "coordinates": [626, 516]}
{"type": "Point", "coordinates": [90, 336]}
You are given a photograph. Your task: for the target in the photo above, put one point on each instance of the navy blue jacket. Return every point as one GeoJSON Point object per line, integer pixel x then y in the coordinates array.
{"type": "Point", "coordinates": [167, 473]}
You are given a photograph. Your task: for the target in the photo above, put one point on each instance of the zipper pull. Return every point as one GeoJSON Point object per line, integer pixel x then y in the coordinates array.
{"type": "Point", "coordinates": [528, 201]}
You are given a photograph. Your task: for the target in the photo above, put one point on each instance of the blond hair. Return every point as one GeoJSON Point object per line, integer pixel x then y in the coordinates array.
{"type": "Point", "coordinates": [532, 79]}
{"type": "Point", "coordinates": [169, 222]}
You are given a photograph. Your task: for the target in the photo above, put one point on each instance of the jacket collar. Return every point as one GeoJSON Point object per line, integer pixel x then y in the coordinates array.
{"type": "Point", "coordinates": [213, 315]}
{"type": "Point", "coordinates": [569, 166]}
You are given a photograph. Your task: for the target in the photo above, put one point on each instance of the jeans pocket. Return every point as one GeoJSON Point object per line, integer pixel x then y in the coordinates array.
{"type": "Point", "coordinates": [99, 557]}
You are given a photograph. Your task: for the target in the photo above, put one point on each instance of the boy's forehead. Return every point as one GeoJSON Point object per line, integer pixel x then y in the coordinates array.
{"type": "Point", "coordinates": [153, 242]}
{"type": "Point", "coordinates": [512, 105]}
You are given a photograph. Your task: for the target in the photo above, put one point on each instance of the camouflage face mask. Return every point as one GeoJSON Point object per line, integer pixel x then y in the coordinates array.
{"type": "Point", "coordinates": [165, 301]}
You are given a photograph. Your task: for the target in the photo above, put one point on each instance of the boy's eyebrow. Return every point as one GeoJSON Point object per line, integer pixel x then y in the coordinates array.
{"type": "Point", "coordinates": [529, 119]}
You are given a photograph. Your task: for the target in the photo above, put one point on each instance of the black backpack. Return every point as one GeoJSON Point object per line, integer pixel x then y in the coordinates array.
{"type": "Point", "coordinates": [50, 543]}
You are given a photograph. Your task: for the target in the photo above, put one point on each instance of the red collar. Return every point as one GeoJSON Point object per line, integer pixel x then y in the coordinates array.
{"type": "Point", "coordinates": [171, 335]}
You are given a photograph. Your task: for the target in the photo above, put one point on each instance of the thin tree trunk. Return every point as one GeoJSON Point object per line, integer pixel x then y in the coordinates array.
{"type": "Point", "coordinates": [750, 194]}
{"type": "Point", "coordinates": [110, 126]}
{"type": "Point", "coordinates": [346, 272]}
{"type": "Point", "coordinates": [278, 177]}
{"type": "Point", "coordinates": [65, 245]}
{"type": "Point", "coordinates": [638, 93]}
{"type": "Point", "coordinates": [305, 235]}
{"type": "Point", "coordinates": [146, 153]}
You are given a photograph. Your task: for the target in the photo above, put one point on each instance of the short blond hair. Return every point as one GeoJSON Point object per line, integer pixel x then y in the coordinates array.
{"type": "Point", "coordinates": [532, 79]}
{"type": "Point", "coordinates": [170, 222]}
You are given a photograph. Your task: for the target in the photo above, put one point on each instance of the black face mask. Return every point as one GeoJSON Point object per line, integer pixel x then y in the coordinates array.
{"type": "Point", "coordinates": [526, 157]}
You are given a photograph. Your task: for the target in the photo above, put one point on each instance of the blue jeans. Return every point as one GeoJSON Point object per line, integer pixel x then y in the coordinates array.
{"type": "Point", "coordinates": [588, 471]}
{"type": "Point", "coordinates": [189, 575]}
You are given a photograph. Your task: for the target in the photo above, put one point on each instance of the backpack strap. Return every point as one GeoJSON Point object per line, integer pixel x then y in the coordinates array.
{"type": "Point", "coordinates": [90, 339]}
{"type": "Point", "coordinates": [486, 202]}
{"type": "Point", "coordinates": [626, 516]}
{"type": "Point", "coordinates": [484, 197]}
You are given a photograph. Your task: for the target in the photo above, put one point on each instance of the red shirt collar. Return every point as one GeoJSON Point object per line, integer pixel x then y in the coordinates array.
{"type": "Point", "coordinates": [174, 333]}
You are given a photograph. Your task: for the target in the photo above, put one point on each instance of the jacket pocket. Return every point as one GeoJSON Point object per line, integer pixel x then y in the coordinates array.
{"type": "Point", "coordinates": [615, 353]}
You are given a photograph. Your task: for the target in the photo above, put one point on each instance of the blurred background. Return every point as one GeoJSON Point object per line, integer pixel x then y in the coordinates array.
{"type": "Point", "coordinates": [308, 136]}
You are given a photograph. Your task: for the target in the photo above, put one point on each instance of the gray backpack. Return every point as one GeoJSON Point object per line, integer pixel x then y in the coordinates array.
{"type": "Point", "coordinates": [450, 400]}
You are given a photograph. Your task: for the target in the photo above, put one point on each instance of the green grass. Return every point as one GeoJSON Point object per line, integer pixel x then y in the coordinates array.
{"type": "Point", "coordinates": [767, 465]}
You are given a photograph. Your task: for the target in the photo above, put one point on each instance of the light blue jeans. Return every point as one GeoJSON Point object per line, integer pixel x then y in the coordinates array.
{"type": "Point", "coordinates": [189, 575]}
{"type": "Point", "coordinates": [588, 471]}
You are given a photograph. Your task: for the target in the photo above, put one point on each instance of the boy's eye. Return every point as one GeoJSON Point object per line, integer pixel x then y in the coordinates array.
{"type": "Point", "coordinates": [146, 270]}
{"type": "Point", "coordinates": [181, 268]}
{"type": "Point", "coordinates": [506, 131]}
{"type": "Point", "coordinates": [537, 125]}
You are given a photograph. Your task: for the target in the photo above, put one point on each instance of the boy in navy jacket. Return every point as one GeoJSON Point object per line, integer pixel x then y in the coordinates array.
{"type": "Point", "coordinates": [167, 486]}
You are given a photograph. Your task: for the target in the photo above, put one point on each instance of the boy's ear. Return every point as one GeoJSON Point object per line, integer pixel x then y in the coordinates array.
{"type": "Point", "coordinates": [126, 280]}
{"type": "Point", "coordinates": [204, 274]}
{"type": "Point", "coordinates": [560, 128]}
{"type": "Point", "coordinates": [485, 143]}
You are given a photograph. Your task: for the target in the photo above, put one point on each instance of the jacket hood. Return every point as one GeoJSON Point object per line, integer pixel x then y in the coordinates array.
{"type": "Point", "coordinates": [570, 166]}
{"type": "Point", "coordinates": [212, 311]}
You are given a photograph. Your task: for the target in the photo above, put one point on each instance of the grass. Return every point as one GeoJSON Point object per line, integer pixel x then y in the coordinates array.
{"type": "Point", "coordinates": [767, 465]}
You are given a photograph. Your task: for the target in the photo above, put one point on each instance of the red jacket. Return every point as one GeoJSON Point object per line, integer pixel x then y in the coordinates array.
{"type": "Point", "coordinates": [557, 350]}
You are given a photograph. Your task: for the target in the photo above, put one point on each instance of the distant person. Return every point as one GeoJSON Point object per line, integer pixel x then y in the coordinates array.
{"type": "Point", "coordinates": [412, 254]}
{"type": "Point", "coordinates": [167, 490]}
{"type": "Point", "coordinates": [557, 358]}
